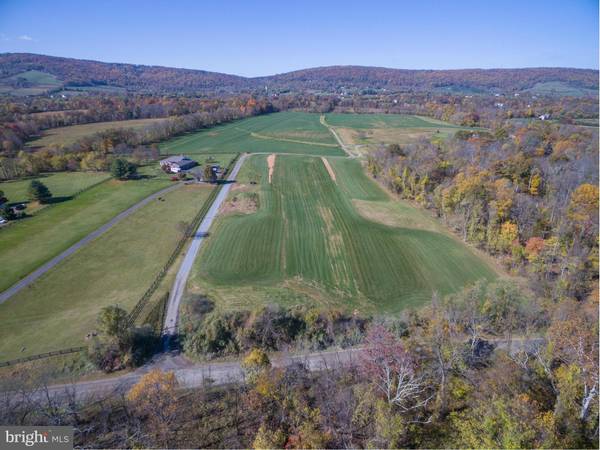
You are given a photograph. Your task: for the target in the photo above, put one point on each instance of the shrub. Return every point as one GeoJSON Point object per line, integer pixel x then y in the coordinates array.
{"type": "Point", "coordinates": [214, 333]}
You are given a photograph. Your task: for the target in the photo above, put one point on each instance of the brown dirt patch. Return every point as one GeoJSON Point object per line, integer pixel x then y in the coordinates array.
{"type": "Point", "coordinates": [271, 164]}
{"type": "Point", "coordinates": [329, 168]}
{"type": "Point", "coordinates": [242, 204]}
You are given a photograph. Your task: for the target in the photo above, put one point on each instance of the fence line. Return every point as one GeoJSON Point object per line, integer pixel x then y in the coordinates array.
{"type": "Point", "coordinates": [142, 302]}
{"type": "Point", "coordinates": [137, 309]}
{"type": "Point", "coordinates": [65, 351]}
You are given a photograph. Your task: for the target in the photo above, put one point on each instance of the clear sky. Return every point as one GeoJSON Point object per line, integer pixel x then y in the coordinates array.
{"type": "Point", "coordinates": [255, 37]}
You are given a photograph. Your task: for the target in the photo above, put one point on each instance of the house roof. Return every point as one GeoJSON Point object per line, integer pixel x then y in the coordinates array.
{"type": "Point", "coordinates": [175, 160]}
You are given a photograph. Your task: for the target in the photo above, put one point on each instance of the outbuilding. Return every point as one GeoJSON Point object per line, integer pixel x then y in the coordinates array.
{"type": "Point", "coordinates": [176, 164]}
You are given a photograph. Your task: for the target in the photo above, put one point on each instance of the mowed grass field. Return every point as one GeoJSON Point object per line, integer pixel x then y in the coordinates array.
{"type": "Point", "coordinates": [26, 244]}
{"type": "Point", "coordinates": [285, 132]}
{"type": "Point", "coordinates": [69, 135]}
{"type": "Point", "coordinates": [61, 184]}
{"type": "Point", "coordinates": [308, 243]}
{"type": "Point", "coordinates": [60, 308]}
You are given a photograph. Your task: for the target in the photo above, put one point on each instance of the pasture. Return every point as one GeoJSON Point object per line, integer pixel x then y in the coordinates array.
{"type": "Point", "coordinates": [28, 243]}
{"type": "Point", "coordinates": [61, 184]}
{"type": "Point", "coordinates": [64, 136]}
{"type": "Point", "coordinates": [308, 243]}
{"type": "Point", "coordinates": [39, 83]}
{"type": "Point", "coordinates": [60, 308]}
{"type": "Point", "coordinates": [285, 132]}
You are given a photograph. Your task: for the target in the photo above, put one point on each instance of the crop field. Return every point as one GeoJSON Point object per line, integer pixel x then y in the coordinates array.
{"type": "Point", "coordinates": [366, 132]}
{"type": "Point", "coordinates": [308, 243]}
{"type": "Point", "coordinates": [60, 308]}
{"type": "Point", "coordinates": [28, 243]}
{"type": "Point", "coordinates": [384, 121]}
{"type": "Point", "coordinates": [69, 135]}
{"type": "Point", "coordinates": [285, 132]}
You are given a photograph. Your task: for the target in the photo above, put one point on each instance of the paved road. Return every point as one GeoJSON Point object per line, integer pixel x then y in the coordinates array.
{"type": "Point", "coordinates": [90, 237]}
{"type": "Point", "coordinates": [196, 375]}
{"type": "Point", "coordinates": [178, 288]}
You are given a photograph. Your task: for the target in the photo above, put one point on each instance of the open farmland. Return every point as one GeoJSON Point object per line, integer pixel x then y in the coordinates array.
{"type": "Point", "coordinates": [30, 242]}
{"type": "Point", "coordinates": [61, 184]}
{"type": "Point", "coordinates": [71, 134]}
{"type": "Point", "coordinates": [285, 132]}
{"type": "Point", "coordinates": [37, 83]}
{"type": "Point", "coordinates": [60, 308]}
{"type": "Point", "coordinates": [365, 132]}
{"type": "Point", "coordinates": [307, 243]}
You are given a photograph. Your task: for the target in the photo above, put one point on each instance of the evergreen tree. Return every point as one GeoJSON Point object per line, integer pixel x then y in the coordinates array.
{"type": "Point", "coordinates": [39, 192]}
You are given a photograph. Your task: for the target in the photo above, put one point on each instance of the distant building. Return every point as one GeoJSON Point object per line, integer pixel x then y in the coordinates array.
{"type": "Point", "coordinates": [201, 173]}
{"type": "Point", "coordinates": [175, 164]}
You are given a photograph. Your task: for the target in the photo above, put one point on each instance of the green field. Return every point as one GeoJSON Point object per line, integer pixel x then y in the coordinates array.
{"type": "Point", "coordinates": [69, 135]}
{"type": "Point", "coordinates": [363, 133]}
{"type": "Point", "coordinates": [26, 244]}
{"type": "Point", "coordinates": [308, 243]}
{"type": "Point", "coordinates": [61, 184]}
{"type": "Point", "coordinates": [285, 132]}
{"type": "Point", "coordinates": [384, 121]}
{"type": "Point", "coordinates": [60, 308]}
{"type": "Point", "coordinates": [39, 83]}
{"type": "Point", "coordinates": [561, 88]}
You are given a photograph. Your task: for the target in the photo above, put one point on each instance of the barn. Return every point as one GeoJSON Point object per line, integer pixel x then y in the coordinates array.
{"type": "Point", "coordinates": [175, 164]}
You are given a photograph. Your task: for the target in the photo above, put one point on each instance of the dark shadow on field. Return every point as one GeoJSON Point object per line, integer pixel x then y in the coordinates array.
{"type": "Point", "coordinates": [224, 181]}
{"type": "Point", "coordinates": [54, 200]}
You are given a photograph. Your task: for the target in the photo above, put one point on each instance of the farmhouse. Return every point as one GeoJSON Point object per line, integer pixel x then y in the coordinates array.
{"type": "Point", "coordinates": [175, 164]}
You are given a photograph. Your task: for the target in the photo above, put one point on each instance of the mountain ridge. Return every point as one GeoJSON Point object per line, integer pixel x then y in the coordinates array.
{"type": "Point", "coordinates": [72, 72]}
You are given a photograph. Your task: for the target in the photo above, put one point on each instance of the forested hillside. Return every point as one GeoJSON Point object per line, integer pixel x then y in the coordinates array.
{"type": "Point", "coordinates": [15, 71]}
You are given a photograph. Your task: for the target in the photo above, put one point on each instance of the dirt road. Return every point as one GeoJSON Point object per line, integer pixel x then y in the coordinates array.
{"type": "Point", "coordinates": [178, 288]}
{"type": "Point", "coordinates": [72, 249]}
{"type": "Point", "coordinates": [337, 138]}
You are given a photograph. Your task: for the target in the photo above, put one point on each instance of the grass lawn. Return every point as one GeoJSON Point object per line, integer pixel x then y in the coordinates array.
{"type": "Point", "coordinates": [60, 308]}
{"type": "Point", "coordinates": [308, 242]}
{"type": "Point", "coordinates": [26, 244]}
{"type": "Point", "coordinates": [61, 184]}
{"type": "Point", "coordinates": [69, 135]}
{"type": "Point", "coordinates": [285, 132]}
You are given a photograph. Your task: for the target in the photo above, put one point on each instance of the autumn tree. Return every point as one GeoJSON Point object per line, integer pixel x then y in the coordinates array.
{"type": "Point", "coordinates": [389, 365]}
{"type": "Point", "coordinates": [154, 400]}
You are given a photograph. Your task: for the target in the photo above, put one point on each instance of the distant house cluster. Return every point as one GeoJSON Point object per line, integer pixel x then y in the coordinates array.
{"type": "Point", "coordinates": [175, 164]}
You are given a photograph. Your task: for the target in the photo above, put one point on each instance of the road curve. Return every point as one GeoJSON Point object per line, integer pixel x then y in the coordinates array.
{"type": "Point", "coordinates": [23, 283]}
{"type": "Point", "coordinates": [337, 138]}
{"type": "Point", "coordinates": [170, 325]}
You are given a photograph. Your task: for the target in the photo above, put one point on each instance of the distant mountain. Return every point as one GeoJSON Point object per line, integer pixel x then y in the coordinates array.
{"type": "Point", "coordinates": [19, 73]}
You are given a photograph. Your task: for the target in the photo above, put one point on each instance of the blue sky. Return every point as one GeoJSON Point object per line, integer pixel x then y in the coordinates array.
{"type": "Point", "coordinates": [256, 37]}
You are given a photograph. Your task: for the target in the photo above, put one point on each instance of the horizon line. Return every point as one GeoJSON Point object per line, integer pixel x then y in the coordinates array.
{"type": "Point", "coordinates": [301, 69]}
